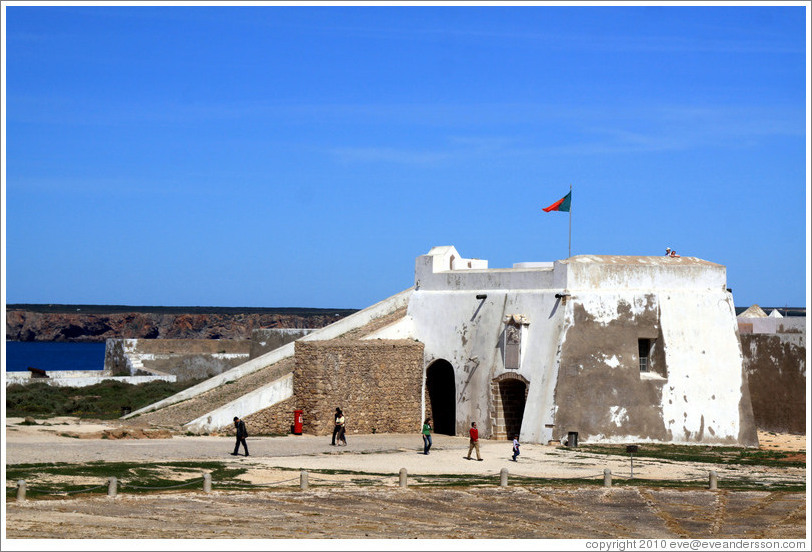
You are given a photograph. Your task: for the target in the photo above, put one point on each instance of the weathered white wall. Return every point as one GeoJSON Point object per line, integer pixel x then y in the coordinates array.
{"type": "Point", "coordinates": [249, 403]}
{"type": "Point", "coordinates": [624, 272]}
{"type": "Point", "coordinates": [80, 378]}
{"type": "Point", "coordinates": [770, 325]}
{"type": "Point", "coordinates": [702, 396]}
{"type": "Point", "coordinates": [705, 376]}
{"type": "Point", "coordinates": [432, 272]}
{"type": "Point", "coordinates": [468, 333]}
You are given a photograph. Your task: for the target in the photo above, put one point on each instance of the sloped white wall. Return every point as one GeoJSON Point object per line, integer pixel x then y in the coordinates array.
{"type": "Point", "coordinates": [703, 355]}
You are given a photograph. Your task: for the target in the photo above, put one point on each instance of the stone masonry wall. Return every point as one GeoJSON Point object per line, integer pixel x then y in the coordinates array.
{"type": "Point", "coordinates": [274, 420]}
{"type": "Point", "coordinates": [377, 383]}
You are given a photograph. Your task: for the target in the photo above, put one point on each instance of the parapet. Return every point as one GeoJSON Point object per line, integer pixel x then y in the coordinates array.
{"type": "Point", "coordinates": [443, 269]}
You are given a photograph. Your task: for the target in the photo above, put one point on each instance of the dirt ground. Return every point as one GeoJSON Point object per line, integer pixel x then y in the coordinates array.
{"type": "Point", "coordinates": [338, 507]}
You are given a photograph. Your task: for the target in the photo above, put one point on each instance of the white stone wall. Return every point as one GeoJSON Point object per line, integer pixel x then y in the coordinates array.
{"type": "Point", "coordinates": [467, 332]}
{"type": "Point", "coordinates": [80, 378]}
{"type": "Point", "coordinates": [705, 376]}
{"type": "Point", "coordinates": [770, 325]}
{"type": "Point", "coordinates": [701, 399]}
{"type": "Point", "coordinates": [255, 401]}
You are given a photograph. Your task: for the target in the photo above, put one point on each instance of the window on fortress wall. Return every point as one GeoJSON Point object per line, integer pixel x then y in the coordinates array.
{"type": "Point", "coordinates": [513, 346]}
{"type": "Point", "coordinates": [644, 352]}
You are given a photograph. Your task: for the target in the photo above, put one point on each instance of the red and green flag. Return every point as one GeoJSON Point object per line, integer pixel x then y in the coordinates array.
{"type": "Point", "coordinates": [562, 204]}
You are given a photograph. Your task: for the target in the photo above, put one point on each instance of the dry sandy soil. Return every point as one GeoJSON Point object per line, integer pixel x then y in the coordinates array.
{"type": "Point", "coordinates": [337, 506]}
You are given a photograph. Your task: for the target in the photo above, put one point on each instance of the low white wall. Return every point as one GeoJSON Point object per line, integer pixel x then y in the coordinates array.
{"type": "Point", "coordinates": [790, 324]}
{"type": "Point", "coordinates": [249, 403]}
{"type": "Point", "coordinates": [234, 374]}
{"type": "Point", "coordinates": [67, 380]}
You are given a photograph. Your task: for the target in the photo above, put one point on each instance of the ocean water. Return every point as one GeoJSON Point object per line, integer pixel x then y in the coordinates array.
{"type": "Point", "coordinates": [50, 355]}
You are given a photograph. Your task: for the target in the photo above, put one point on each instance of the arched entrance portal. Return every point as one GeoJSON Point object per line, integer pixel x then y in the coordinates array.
{"type": "Point", "coordinates": [441, 397]}
{"type": "Point", "coordinates": [509, 393]}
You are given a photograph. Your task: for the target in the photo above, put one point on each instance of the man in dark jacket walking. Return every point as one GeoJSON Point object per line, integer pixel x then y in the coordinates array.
{"type": "Point", "coordinates": [242, 433]}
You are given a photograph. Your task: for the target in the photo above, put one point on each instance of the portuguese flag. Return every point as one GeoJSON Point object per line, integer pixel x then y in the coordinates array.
{"type": "Point", "coordinates": [562, 204]}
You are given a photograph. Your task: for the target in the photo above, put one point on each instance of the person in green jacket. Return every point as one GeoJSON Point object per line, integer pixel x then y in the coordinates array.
{"type": "Point", "coordinates": [426, 435]}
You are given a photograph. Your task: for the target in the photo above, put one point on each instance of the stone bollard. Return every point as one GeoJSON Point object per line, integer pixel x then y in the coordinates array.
{"type": "Point", "coordinates": [712, 480]}
{"type": "Point", "coordinates": [403, 477]}
{"type": "Point", "coordinates": [607, 478]}
{"type": "Point", "coordinates": [112, 487]}
{"type": "Point", "coordinates": [303, 480]}
{"type": "Point", "coordinates": [21, 490]}
{"type": "Point", "coordinates": [503, 475]}
{"type": "Point", "coordinates": [206, 482]}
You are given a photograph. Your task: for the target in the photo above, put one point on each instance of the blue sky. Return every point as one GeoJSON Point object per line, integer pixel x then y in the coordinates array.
{"type": "Point", "coordinates": [305, 156]}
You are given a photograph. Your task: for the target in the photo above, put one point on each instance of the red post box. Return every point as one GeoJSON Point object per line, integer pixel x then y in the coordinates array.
{"type": "Point", "coordinates": [297, 422]}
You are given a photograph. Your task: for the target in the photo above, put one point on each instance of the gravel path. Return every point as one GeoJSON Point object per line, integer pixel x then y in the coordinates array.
{"type": "Point", "coordinates": [382, 510]}
{"type": "Point", "coordinates": [383, 513]}
{"type": "Point", "coordinates": [380, 453]}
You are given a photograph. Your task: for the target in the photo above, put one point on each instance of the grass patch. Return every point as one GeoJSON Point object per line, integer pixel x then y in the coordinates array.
{"type": "Point", "coordinates": [102, 401]}
{"type": "Point", "coordinates": [43, 480]}
{"type": "Point", "coordinates": [700, 453]}
{"type": "Point", "coordinates": [54, 480]}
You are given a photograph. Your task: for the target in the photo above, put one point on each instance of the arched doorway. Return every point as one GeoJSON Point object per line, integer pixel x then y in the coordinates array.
{"type": "Point", "coordinates": [441, 397]}
{"type": "Point", "coordinates": [509, 393]}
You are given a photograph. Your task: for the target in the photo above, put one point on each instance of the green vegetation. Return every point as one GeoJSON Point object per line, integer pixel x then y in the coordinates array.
{"type": "Point", "coordinates": [100, 401]}
{"type": "Point", "coordinates": [698, 453]}
{"type": "Point", "coordinates": [468, 480]}
{"type": "Point", "coordinates": [57, 479]}
{"type": "Point", "coordinates": [49, 479]}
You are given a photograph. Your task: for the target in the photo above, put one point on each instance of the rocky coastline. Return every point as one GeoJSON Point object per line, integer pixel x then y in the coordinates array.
{"type": "Point", "coordinates": [83, 324]}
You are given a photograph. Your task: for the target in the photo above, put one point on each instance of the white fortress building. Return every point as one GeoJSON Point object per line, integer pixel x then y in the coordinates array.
{"type": "Point", "coordinates": [615, 349]}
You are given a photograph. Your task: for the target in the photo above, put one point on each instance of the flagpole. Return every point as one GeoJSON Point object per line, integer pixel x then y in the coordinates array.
{"type": "Point", "coordinates": [570, 251]}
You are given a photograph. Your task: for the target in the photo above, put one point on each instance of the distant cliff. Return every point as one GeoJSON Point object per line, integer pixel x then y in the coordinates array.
{"type": "Point", "coordinates": [94, 323]}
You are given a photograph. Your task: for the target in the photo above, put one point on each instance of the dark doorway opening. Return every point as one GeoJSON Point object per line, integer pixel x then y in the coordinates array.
{"type": "Point", "coordinates": [513, 394]}
{"type": "Point", "coordinates": [441, 397]}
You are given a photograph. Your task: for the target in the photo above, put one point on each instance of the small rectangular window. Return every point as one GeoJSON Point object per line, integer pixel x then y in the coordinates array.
{"type": "Point", "coordinates": [644, 349]}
